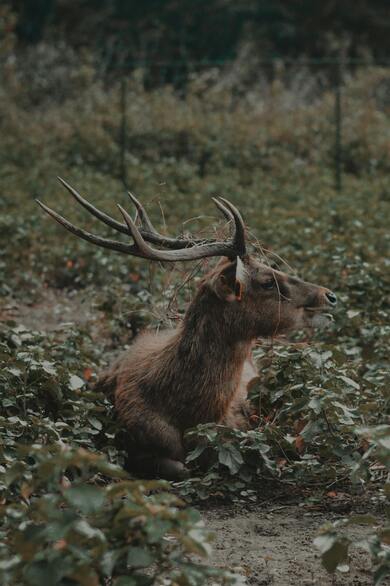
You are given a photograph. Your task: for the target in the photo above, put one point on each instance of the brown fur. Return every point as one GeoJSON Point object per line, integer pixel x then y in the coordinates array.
{"type": "Point", "coordinates": [169, 382]}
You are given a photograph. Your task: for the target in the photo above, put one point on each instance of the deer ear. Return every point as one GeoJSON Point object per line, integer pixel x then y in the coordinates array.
{"type": "Point", "coordinates": [240, 280]}
{"type": "Point", "coordinates": [229, 284]}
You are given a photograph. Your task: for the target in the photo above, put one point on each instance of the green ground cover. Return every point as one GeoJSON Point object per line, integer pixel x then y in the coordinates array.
{"type": "Point", "coordinates": [324, 406]}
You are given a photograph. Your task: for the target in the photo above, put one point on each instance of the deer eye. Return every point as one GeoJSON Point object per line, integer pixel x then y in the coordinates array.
{"type": "Point", "coordinates": [268, 285]}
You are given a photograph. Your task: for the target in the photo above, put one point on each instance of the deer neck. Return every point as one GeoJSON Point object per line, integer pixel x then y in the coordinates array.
{"type": "Point", "coordinates": [211, 347]}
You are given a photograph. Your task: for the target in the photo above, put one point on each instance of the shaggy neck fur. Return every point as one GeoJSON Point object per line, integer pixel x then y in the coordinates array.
{"type": "Point", "coordinates": [210, 349]}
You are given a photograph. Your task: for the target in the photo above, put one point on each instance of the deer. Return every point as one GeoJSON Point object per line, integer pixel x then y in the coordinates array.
{"type": "Point", "coordinates": [170, 381]}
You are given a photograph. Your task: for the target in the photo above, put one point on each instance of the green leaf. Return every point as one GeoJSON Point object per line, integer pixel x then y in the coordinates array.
{"type": "Point", "coordinates": [8, 403]}
{"type": "Point", "coordinates": [349, 381]}
{"type": "Point", "coordinates": [315, 405]}
{"type": "Point", "coordinates": [198, 542]}
{"type": "Point", "coordinates": [126, 581]}
{"type": "Point", "coordinates": [87, 530]}
{"type": "Point", "coordinates": [156, 528]}
{"type": "Point", "coordinates": [75, 382]}
{"type": "Point", "coordinates": [319, 358]}
{"type": "Point", "coordinates": [10, 563]}
{"type": "Point", "coordinates": [95, 423]}
{"type": "Point", "coordinates": [343, 568]}
{"type": "Point", "coordinates": [384, 442]}
{"type": "Point", "coordinates": [49, 367]}
{"type": "Point", "coordinates": [138, 580]}
{"type": "Point", "coordinates": [14, 371]}
{"type": "Point", "coordinates": [45, 572]}
{"type": "Point", "coordinates": [109, 560]}
{"type": "Point", "coordinates": [230, 456]}
{"type": "Point", "coordinates": [138, 557]}
{"type": "Point", "coordinates": [381, 573]}
{"type": "Point", "coordinates": [351, 313]}
{"type": "Point", "coordinates": [200, 448]}
{"type": "Point", "coordinates": [86, 498]}
{"type": "Point", "coordinates": [334, 550]}
{"type": "Point", "coordinates": [362, 520]}
{"type": "Point", "coordinates": [14, 472]}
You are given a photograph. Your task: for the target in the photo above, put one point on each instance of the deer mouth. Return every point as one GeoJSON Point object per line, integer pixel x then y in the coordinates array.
{"type": "Point", "coordinates": [323, 309]}
{"type": "Point", "coordinates": [319, 317]}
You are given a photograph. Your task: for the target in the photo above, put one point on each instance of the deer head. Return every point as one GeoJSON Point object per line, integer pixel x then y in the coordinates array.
{"type": "Point", "coordinates": [266, 301]}
{"type": "Point", "coordinates": [256, 299]}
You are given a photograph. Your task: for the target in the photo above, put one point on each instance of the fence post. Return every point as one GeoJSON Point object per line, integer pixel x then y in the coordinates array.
{"type": "Point", "coordinates": [123, 131]}
{"type": "Point", "coordinates": [338, 129]}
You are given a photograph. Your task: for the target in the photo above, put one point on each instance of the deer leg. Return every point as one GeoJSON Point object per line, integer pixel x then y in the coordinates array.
{"type": "Point", "coordinates": [240, 409]}
{"type": "Point", "coordinates": [238, 414]}
{"type": "Point", "coordinates": [161, 467]}
{"type": "Point", "coordinates": [155, 447]}
{"type": "Point", "coordinates": [237, 418]}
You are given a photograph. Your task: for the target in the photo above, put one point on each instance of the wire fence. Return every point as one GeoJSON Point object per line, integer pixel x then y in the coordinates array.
{"type": "Point", "coordinates": [330, 75]}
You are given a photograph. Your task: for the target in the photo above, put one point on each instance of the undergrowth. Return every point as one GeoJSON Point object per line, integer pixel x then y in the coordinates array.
{"type": "Point", "coordinates": [68, 515]}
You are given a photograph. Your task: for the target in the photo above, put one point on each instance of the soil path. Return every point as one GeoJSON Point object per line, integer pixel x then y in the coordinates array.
{"type": "Point", "coordinates": [274, 546]}
{"type": "Point", "coordinates": [54, 308]}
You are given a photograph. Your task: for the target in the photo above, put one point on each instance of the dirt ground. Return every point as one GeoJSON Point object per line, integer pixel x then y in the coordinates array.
{"type": "Point", "coordinates": [54, 308]}
{"type": "Point", "coordinates": [271, 544]}
{"type": "Point", "coordinates": [274, 546]}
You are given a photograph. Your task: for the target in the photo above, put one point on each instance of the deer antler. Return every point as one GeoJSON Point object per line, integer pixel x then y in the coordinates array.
{"type": "Point", "coordinates": [181, 249]}
{"type": "Point", "coordinates": [149, 233]}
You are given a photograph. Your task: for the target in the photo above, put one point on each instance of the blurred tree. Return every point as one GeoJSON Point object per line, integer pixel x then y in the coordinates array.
{"type": "Point", "coordinates": [33, 15]}
{"type": "Point", "coordinates": [209, 29]}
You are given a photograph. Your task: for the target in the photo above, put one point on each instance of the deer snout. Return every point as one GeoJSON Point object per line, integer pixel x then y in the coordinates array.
{"type": "Point", "coordinates": [320, 298]}
{"type": "Point", "coordinates": [331, 298]}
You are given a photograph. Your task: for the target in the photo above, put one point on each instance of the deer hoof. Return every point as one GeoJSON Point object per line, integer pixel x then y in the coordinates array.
{"type": "Point", "coordinates": [172, 469]}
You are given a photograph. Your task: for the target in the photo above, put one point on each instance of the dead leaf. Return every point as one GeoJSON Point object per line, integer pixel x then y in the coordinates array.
{"type": "Point", "coordinates": [88, 373]}
{"type": "Point", "coordinates": [299, 424]}
{"type": "Point", "coordinates": [299, 443]}
{"type": "Point", "coordinates": [281, 462]}
{"type": "Point", "coordinates": [331, 494]}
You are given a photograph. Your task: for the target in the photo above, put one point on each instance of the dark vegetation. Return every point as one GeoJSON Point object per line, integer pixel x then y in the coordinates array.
{"type": "Point", "coordinates": [212, 29]}
{"type": "Point", "coordinates": [68, 514]}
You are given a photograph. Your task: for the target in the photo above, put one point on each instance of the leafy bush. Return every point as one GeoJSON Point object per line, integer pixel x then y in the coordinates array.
{"type": "Point", "coordinates": [68, 517]}
{"type": "Point", "coordinates": [309, 407]}
{"type": "Point", "coordinates": [44, 394]}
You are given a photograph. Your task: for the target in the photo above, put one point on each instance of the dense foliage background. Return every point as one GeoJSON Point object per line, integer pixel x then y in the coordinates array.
{"type": "Point", "coordinates": [68, 513]}
{"type": "Point", "coordinates": [212, 29]}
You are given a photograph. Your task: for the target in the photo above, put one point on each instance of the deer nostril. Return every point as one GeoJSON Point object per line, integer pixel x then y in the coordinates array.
{"type": "Point", "coordinates": [331, 297]}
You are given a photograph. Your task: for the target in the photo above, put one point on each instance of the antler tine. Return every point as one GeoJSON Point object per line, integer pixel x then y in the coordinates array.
{"type": "Point", "coordinates": [94, 211]}
{"type": "Point", "coordinates": [229, 211]}
{"type": "Point", "coordinates": [149, 233]}
{"type": "Point", "coordinates": [98, 240]}
{"type": "Point", "coordinates": [226, 212]}
{"type": "Point", "coordinates": [238, 240]}
{"type": "Point", "coordinates": [145, 220]}
{"type": "Point", "coordinates": [192, 251]}
{"type": "Point", "coordinates": [232, 214]}
{"type": "Point", "coordinates": [148, 251]}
